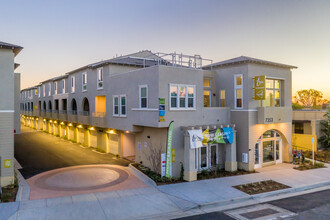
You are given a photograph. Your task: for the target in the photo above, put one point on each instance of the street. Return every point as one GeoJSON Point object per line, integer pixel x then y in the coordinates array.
{"type": "Point", "coordinates": [37, 152]}
{"type": "Point", "coordinates": [309, 206]}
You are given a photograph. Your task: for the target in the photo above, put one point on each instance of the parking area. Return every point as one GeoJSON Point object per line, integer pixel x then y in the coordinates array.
{"type": "Point", "coordinates": [37, 152]}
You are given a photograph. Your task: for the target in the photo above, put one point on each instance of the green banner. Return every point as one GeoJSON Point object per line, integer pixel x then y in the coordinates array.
{"type": "Point", "coordinates": [168, 170]}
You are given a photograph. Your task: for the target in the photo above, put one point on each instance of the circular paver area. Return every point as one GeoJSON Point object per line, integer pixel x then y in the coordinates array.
{"type": "Point", "coordinates": [81, 178]}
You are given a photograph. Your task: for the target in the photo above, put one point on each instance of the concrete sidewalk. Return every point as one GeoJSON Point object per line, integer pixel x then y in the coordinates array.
{"type": "Point", "coordinates": [163, 201]}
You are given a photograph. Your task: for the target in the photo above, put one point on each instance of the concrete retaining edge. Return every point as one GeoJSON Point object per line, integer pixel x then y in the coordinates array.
{"type": "Point", "coordinates": [144, 178]}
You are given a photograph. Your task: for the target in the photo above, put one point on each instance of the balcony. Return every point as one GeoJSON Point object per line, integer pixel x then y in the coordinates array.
{"type": "Point", "coordinates": [99, 119]}
{"type": "Point", "coordinates": [43, 113]}
{"type": "Point", "coordinates": [49, 114]}
{"type": "Point", "coordinates": [55, 114]}
{"type": "Point", "coordinates": [273, 115]}
{"type": "Point", "coordinates": [63, 116]}
{"type": "Point", "coordinates": [72, 116]}
{"type": "Point", "coordinates": [36, 112]}
{"type": "Point", "coordinates": [84, 118]}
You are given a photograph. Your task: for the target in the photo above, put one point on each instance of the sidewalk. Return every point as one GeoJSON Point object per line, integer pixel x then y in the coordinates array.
{"type": "Point", "coordinates": [162, 201]}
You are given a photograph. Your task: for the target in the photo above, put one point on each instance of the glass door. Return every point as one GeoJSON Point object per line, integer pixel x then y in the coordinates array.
{"type": "Point", "coordinates": [207, 98]}
{"type": "Point", "coordinates": [257, 156]}
{"type": "Point", "coordinates": [278, 151]}
{"type": "Point", "coordinates": [203, 157]}
{"type": "Point", "coordinates": [214, 155]}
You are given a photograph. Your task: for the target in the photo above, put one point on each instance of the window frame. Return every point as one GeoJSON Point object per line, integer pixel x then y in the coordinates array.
{"type": "Point", "coordinates": [273, 89]}
{"type": "Point", "coordinates": [63, 86]}
{"type": "Point", "coordinates": [84, 75]}
{"type": "Point", "coordinates": [186, 108]}
{"type": "Point", "coordinates": [120, 106]}
{"type": "Point", "coordinates": [97, 77]}
{"type": "Point", "coordinates": [113, 105]}
{"type": "Point", "coordinates": [55, 88]}
{"type": "Point", "coordinates": [73, 84]}
{"type": "Point", "coordinates": [49, 89]}
{"type": "Point", "coordinates": [147, 94]}
{"type": "Point", "coordinates": [236, 87]}
{"type": "Point", "coordinates": [44, 90]}
{"type": "Point", "coordinates": [220, 98]}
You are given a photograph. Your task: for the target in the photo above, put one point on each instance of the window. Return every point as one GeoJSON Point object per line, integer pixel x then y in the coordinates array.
{"type": "Point", "coordinates": [39, 91]}
{"type": "Point", "coordinates": [222, 98]}
{"type": "Point", "coordinates": [299, 128]}
{"type": "Point", "coordinates": [182, 96]}
{"type": "Point", "coordinates": [273, 93]}
{"type": "Point", "coordinates": [55, 88]}
{"type": "Point", "coordinates": [238, 91]}
{"type": "Point", "coordinates": [143, 96]}
{"type": "Point", "coordinates": [207, 83]}
{"type": "Point", "coordinates": [49, 89]}
{"type": "Point", "coordinates": [123, 105]}
{"type": "Point", "coordinates": [44, 90]}
{"type": "Point", "coordinates": [100, 78]}
{"type": "Point", "coordinates": [84, 82]}
{"type": "Point", "coordinates": [63, 86]}
{"type": "Point", "coordinates": [72, 84]}
{"type": "Point", "coordinates": [115, 106]}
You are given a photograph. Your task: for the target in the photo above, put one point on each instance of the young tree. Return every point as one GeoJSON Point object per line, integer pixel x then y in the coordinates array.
{"type": "Point", "coordinates": [309, 98]}
{"type": "Point", "coordinates": [325, 131]}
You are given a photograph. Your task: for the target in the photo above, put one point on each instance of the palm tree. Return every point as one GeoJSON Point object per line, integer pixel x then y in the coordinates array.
{"type": "Point", "coordinates": [325, 131]}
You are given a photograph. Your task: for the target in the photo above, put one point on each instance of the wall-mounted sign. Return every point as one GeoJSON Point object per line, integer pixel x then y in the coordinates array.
{"type": "Point", "coordinates": [245, 158]}
{"type": "Point", "coordinates": [259, 88]}
{"type": "Point", "coordinates": [7, 163]}
{"type": "Point", "coordinates": [173, 155]}
{"type": "Point", "coordinates": [269, 119]}
{"type": "Point", "coordinates": [161, 109]}
{"type": "Point", "coordinates": [198, 138]}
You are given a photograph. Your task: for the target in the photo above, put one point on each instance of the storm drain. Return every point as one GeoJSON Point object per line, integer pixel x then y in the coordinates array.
{"type": "Point", "coordinates": [260, 212]}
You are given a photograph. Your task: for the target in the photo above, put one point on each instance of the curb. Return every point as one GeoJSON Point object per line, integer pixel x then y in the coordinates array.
{"type": "Point", "coordinates": [264, 195]}
{"type": "Point", "coordinates": [23, 192]}
{"type": "Point", "coordinates": [144, 178]}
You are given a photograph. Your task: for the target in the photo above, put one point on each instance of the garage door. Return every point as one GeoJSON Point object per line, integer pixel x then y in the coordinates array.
{"type": "Point", "coordinates": [81, 135]}
{"type": "Point", "coordinates": [113, 140]}
{"type": "Point", "coordinates": [93, 138]}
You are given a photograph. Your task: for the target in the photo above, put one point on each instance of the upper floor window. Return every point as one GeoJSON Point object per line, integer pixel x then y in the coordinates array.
{"type": "Point", "coordinates": [273, 93]}
{"type": "Point", "coordinates": [73, 83]}
{"type": "Point", "coordinates": [63, 86]}
{"type": "Point", "coordinates": [36, 91]}
{"type": "Point", "coordinates": [115, 106]}
{"type": "Point", "coordinates": [206, 82]}
{"type": "Point", "coordinates": [49, 89]}
{"type": "Point", "coordinates": [44, 90]}
{"type": "Point", "coordinates": [182, 96]}
{"type": "Point", "coordinates": [238, 91]}
{"type": "Point", "coordinates": [39, 91]}
{"type": "Point", "coordinates": [123, 105]}
{"type": "Point", "coordinates": [84, 82]}
{"type": "Point", "coordinates": [222, 98]}
{"type": "Point", "coordinates": [55, 88]}
{"type": "Point", "coordinates": [100, 78]}
{"type": "Point", "coordinates": [143, 93]}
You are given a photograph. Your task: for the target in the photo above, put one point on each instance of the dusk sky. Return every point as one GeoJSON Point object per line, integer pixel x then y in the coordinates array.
{"type": "Point", "coordinates": [59, 36]}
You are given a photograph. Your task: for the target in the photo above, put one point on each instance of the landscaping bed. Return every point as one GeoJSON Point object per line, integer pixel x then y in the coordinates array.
{"type": "Point", "coordinates": [156, 177]}
{"type": "Point", "coordinates": [261, 187]}
{"type": "Point", "coordinates": [309, 165]}
{"type": "Point", "coordinates": [9, 193]}
{"type": "Point", "coordinates": [218, 173]}
{"type": "Point", "coordinates": [323, 156]}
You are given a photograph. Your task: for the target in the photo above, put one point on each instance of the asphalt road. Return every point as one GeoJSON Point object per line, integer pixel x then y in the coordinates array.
{"type": "Point", "coordinates": [38, 152]}
{"type": "Point", "coordinates": [309, 206]}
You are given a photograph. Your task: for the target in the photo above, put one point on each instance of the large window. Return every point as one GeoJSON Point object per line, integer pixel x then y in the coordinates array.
{"type": "Point", "coordinates": [44, 90]}
{"type": "Point", "coordinates": [222, 98]}
{"type": "Point", "coordinates": [55, 88]}
{"type": "Point", "coordinates": [143, 93]}
{"type": "Point", "coordinates": [84, 82]}
{"type": "Point", "coordinates": [73, 84]}
{"type": "Point", "coordinates": [49, 89]}
{"type": "Point", "coordinates": [115, 105]}
{"type": "Point", "coordinates": [273, 93]}
{"type": "Point", "coordinates": [299, 128]}
{"type": "Point", "coordinates": [182, 96]}
{"type": "Point", "coordinates": [238, 91]}
{"type": "Point", "coordinates": [100, 78]}
{"type": "Point", "coordinates": [63, 86]}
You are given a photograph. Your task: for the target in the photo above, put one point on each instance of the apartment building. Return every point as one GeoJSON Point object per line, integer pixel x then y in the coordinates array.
{"type": "Point", "coordinates": [124, 106]}
{"type": "Point", "coordinates": [9, 110]}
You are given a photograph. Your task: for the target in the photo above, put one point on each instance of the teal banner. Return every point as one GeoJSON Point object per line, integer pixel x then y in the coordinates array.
{"type": "Point", "coordinates": [168, 170]}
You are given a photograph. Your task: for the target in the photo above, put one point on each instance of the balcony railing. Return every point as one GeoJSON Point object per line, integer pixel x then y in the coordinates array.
{"type": "Point", "coordinates": [84, 118]}
{"type": "Point", "coordinates": [63, 116]}
{"type": "Point", "coordinates": [48, 113]}
{"type": "Point", "coordinates": [99, 119]}
{"type": "Point", "coordinates": [72, 116]}
{"type": "Point", "coordinates": [55, 114]}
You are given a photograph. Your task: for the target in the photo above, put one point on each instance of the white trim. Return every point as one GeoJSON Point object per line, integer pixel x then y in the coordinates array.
{"type": "Point", "coordinates": [144, 109]}
{"type": "Point", "coordinates": [238, 87]}
{"type": "Point", "coordinates": [178, 108]}
{"type": "Point", "coordinates": [82, 81]}
{"type": "Point", "coordinates": [113, 105]}
{"type": "Point", "coordinates": [6, 111]}
{"type": "Point", "coordinates": [63, 86]}
{"type": "Point", "coordinates": [140, 103]}
{"type": "Point", "coordinates": [73, 84]}
{"type": "Point", "coordinates": [55, 87]}
{"type": "Point", "coordinates": [120, 106]}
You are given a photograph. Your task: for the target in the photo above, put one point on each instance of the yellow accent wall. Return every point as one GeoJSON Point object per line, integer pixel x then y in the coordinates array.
{"type": "Point", "coordinates": [304, 142]}
{"type": "Point", "coordinates": [100, 104]}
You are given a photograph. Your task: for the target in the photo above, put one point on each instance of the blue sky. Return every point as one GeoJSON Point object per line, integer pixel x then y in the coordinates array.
{"type": "Point", "coordinates": [59, 36]}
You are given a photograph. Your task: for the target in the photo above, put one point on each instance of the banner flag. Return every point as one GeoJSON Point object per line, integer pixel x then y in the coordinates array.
{"type": "Point", "coordinates": [168, 171]}
{"type": "Point", "coordinates": [196, 138]}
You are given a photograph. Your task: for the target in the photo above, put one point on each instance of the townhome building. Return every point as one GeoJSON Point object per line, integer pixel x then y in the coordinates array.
{"type": "Point", "coordinates": [124, 106]}
{"type": "Point", "coordinates": [9, 110]}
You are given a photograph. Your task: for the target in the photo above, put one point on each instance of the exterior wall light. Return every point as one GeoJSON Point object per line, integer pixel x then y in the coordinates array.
{"type": "Point", "coordinates": [70, 124]}
{"type": "Point", "coordinates": [126, 132]}
{"type": "Point", "coordinates": [111, 132]}
{"type": "Point", "coordinates": [91, 128]}
{"type": "Point", "coordinates": [62, 123]}
{"type": "Point", "coordinates": [79, 126]}
{"type": "Point", "coordinates": [51, 121]}
{"type": "Point", "coordinates": [55, 122]}
{"type": "Point", "coordinates": [44, 119]}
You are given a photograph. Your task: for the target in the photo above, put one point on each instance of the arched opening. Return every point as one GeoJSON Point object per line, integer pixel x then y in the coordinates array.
{"type": "Point", "coordinates": [85, 106]}
{"type": "Point", "coordinates": [29, 106]}
{"type": "Point", "coordinates": [44, 106]}
{"type": "Point", "coordinates": [74, 107]}
{"type": "Point", "coordinates": [268, 149]}
{"type": "Point", "coordinates": [49, 105]}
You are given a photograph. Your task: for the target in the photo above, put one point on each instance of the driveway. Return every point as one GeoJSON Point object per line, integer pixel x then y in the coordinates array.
{"type": "Point", "coordinates": [37, 152]}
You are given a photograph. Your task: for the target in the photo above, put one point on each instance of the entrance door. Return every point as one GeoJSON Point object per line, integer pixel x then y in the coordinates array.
{"type": "Point", "coordinates": [278, 151]}
{"type": "Point", "coordinates": [214, 155]}
{"type": "Point", "coordinates": [207, 98]}
{"type": "Point", "coordinates": [203, 158]}
{"type": "Point", "coordinates": [257, 156]}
